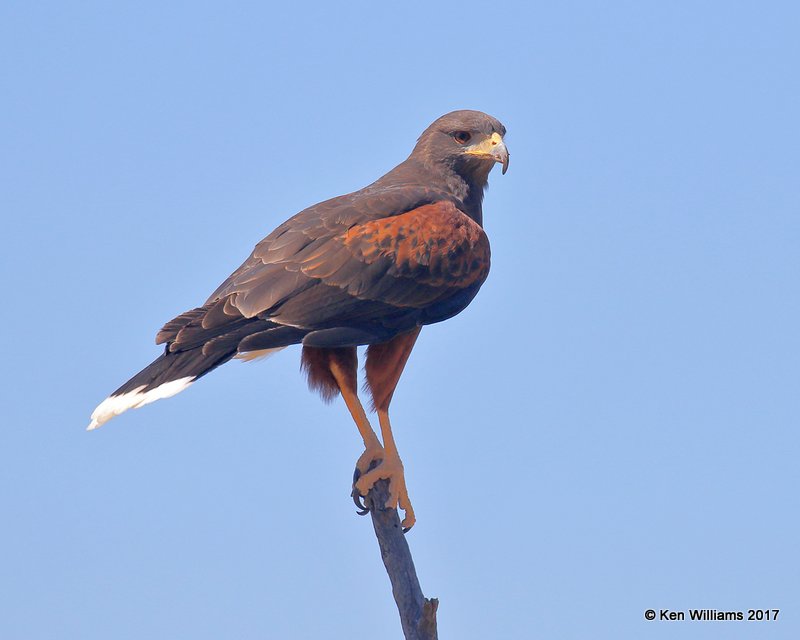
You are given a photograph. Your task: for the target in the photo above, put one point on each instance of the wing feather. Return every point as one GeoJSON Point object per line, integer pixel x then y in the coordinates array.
{"type": "Point", "coordinates": [369, 264]}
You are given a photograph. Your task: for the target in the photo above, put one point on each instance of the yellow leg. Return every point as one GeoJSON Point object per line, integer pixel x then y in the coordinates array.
{"type": "Point", "coordinates": [373, 450]}
{"type": "Point", "coordinates": [390, 469]}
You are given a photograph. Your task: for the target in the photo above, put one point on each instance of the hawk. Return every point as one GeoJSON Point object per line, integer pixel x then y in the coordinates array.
{"type": "Point", "coordinates": [367, 268]}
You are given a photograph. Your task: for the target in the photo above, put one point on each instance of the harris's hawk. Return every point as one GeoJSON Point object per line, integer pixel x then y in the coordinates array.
{"type": "Point", "coordinates": [367, 268]}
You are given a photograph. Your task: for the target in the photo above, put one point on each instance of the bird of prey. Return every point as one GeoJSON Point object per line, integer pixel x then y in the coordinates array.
{"type": "Point", "coordinates": [367, 268]}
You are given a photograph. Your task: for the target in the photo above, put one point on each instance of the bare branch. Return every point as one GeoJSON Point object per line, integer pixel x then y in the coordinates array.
{"type": "Point", "coordinates": [417, 613]}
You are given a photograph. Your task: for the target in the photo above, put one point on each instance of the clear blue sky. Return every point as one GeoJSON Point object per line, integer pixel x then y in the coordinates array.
{"type": "Point", "coordinates": [611, 426]}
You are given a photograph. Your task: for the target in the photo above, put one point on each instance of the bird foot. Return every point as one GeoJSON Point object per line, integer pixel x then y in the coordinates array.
{"type": "Point", "coordinates": [390, 468]}
{"type": "Point", "coordinates": [373, 455]}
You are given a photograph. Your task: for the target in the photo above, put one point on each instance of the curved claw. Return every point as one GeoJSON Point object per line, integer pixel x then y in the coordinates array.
{"type": "Point", "coordinates": [361, 508]}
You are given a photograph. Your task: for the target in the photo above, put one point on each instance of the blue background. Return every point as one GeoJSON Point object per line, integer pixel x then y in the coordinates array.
{"type": "Point", "coordinates": [610, 427]}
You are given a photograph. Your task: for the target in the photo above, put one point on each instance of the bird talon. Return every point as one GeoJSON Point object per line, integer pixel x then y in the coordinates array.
{"type": "Point", "coordinates": [390, 469]}
{"type": "Point", "coordinates": [361, 508]}
{"type": "Point", "coordinates": [358, 498]}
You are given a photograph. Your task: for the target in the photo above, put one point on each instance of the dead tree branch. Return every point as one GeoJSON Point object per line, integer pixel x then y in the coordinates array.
{"type": "Point", "coordinates": [417, 613]}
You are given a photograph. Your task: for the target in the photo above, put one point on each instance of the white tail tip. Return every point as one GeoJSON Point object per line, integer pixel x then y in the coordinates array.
{"type": "Point", "coordinates": [114, 405]}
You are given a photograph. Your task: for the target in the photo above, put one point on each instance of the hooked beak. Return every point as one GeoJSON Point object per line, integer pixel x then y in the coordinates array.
{"type": "Point", "coordinates": [492, 147]}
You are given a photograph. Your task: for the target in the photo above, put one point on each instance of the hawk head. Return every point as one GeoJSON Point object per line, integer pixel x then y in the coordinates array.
{"type": "Point", "coordinates": [467, 142]}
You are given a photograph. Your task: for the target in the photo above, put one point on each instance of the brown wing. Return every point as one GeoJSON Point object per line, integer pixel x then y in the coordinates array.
{"type": "Point", "coordinates": [435, 245]}
{"type": "Point", "coordinates": [395, 272]}
{"type": "Point", "coordinates": [260, 280]}
{"type": "Point", "coordinates": [345, 281]}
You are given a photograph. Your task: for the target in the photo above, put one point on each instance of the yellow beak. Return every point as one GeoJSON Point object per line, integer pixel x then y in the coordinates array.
{"type": "Point", "coordinates": [491, 147]}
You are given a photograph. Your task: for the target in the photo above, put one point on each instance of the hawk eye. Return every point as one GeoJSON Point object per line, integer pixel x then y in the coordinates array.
{"type": "Point", "coordinates": [462, 137]}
